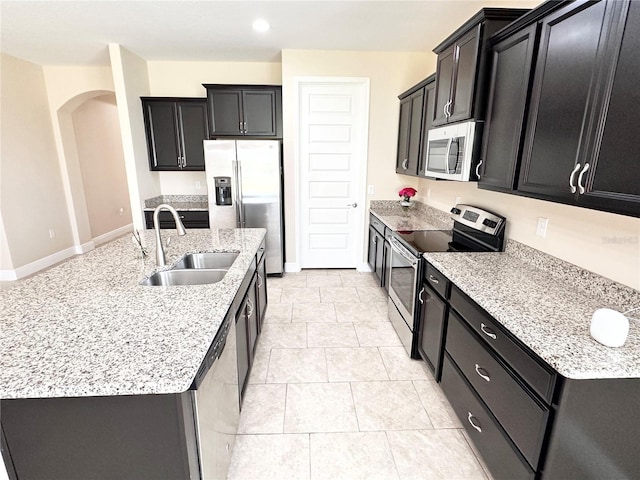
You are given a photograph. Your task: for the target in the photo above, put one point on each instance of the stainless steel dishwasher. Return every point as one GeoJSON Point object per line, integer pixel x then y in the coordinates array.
{"type": "Point", "coordinates": [216, 406]}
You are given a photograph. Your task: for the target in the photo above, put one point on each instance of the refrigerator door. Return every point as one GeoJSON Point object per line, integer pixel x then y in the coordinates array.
{"type": "Point", "coordinates": [259, 172]}
{"type": "Point", "coordinates": [220, 161]}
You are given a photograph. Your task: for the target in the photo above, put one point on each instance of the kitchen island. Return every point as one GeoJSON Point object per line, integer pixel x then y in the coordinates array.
{"type": "Point", "coordinates": [91, 350]}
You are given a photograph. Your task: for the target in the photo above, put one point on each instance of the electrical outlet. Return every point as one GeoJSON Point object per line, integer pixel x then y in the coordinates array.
{"type": "Point", "coordinates": [121, 211]}
{"type": "Point", "coordinates": [541, 229]}
{"type": "Point", "coordinates": [52, 233]}
{"type": "Point", "coordinates": [371, 189]}
{"type": "Point", "coordinates": [198, 185]}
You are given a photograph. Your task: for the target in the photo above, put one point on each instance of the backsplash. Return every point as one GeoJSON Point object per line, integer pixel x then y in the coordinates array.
{"type": "Point", "coordinates": [181, 202]}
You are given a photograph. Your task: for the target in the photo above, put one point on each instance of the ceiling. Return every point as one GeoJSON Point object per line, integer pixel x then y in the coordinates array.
{"type": "Point", "coordinates": [78, 32]}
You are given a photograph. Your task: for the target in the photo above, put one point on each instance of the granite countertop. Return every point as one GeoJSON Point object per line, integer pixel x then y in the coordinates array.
{"type": "Point", "coordinates": [179, 202]}
{"type": "Point", "coordinates": [547, 304]}
{"type": "Point", "coordinates": [87, 328]}
{"type": "Point", "coordinates": [417, 217]}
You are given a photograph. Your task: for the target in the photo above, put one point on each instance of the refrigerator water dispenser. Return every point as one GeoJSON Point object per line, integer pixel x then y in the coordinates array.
{"type": "Point", "coordinates": [223, 190]}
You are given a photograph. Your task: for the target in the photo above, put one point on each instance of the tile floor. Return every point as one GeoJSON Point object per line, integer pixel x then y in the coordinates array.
{"type": "Point", "coordinates": [332, 393]}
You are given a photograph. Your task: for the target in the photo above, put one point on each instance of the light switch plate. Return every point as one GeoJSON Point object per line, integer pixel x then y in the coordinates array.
{"type": "Point", "coordinates": [371, 189]}
{"type": "Point", "coordinates": [541, 229]}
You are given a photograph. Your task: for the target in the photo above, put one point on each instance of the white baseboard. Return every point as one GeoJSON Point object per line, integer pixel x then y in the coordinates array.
{"type": "Point", "coordinates": [292, 267]}
{"type": "Point", "coordinates": [107, 237]}
{"type": "Point", "coordinates": [364, 268]}
{"type": "Point", "coordinates": [42, 263]}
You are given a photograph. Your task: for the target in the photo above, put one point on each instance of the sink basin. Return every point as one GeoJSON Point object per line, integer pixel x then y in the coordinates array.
{"type": "Point", "coordinates": [215, 260]}
{"type": "Point", "coordinates": [199, 276]}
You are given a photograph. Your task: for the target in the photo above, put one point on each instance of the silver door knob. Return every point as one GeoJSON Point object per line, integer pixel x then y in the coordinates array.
{"type": "Point", "coordinates": [354, 205]}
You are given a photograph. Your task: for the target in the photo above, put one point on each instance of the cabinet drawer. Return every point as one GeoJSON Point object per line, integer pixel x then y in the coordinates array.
{"type": "Point", "coordinates": [540, 377]}
{"type": "Point", "coordinates": [437, 281]}
{"type": "Point", "coordinates": [496, 450]}
{"type": "Point", "coordinates": [377, 224]}
{"type": "Point", "coordinates": [521, 416]}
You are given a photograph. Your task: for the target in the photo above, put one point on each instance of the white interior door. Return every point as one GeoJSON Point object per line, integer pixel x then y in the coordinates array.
{"type": "Point", "coordinates": [333, 132]}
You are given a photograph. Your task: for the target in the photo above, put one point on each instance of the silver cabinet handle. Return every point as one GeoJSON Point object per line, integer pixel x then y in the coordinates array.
{"type": "Point", "coordinates": [179, 161]}
{"type": "Point", "coordinates": [487, 331]}
{"type": "Point", "coordinates": [260, 281]}
{"type": "Point", "coordinates": [353, 205]}
{"type": "Point", "coordinates": [573, 174]}
{"type": "Point", "coordinates": [456, 55]}
{"type": "Point", "coordinates": [184, 162]}
{"type": "Point", "coordinates": [484, 375]}
{"type": "Point", "coordinates": [434, 279]}
{"type": "Point", "coordinates": [470, 418]}
{"type": "Point", "coordinates": [405, 164]}
{"type": "Point", "coordinates": [478, 168]}
{"type": "Point", "coordinates": [582, 172]}
{"type": "Point", "coordinates": [447, 112]}
{"type": "Point", "coordinates": [449, 108]}
{"type": "Point", "coordinates": [244, 125]}
{"type": "Point", "coordinates": [420, 295]}
{"type": "Point", "coordinates": [240, 127]}
{"type": "Point", "coordinates": [250, 307]}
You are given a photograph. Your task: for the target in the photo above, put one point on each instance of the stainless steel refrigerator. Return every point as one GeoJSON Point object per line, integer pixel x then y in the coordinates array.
{"type": "Point", "coordinates": [244, 184]}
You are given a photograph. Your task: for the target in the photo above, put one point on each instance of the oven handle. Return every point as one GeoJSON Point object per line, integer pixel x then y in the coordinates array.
{"type": "Point", "coordinates": [399, 249]}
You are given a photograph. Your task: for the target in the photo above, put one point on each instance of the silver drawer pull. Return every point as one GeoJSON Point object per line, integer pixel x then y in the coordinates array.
{"type": "Point", "coordinates": [477, 427]}
{"type": "Point", "coordinates": [420, 296]}
{"type": "Point", "coordinates": [434, 279]}
{"type": "Point", "coordinates": [482, 372]}
{"type": "Point", "coordinates": [260, 281]}
{"type": "Point", "coordinates": [487, 331]}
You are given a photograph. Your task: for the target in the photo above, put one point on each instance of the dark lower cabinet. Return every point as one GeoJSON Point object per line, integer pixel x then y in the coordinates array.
{"type": "Point", "coordinates": [190, 219]}
{"type": "Point", "coordinates": [526, 420]}
{"type": "Point", "coordinates": [433, 318]}
{"type": "Point", "coordinates": [261, 287]}
{"type": "Point", "coordinates": [242, 345]}
{"type": "Point", "coordinates": [376, 254]}
{"type": "Point", "coordinates": [252, 318]}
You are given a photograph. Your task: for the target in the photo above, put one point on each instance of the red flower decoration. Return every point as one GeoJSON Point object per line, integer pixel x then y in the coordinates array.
{"type": "Point", "coordinates": [407, 192]}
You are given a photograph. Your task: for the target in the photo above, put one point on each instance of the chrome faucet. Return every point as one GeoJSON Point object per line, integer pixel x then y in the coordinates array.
{"type": "Point", "coordinates": [161, 260]}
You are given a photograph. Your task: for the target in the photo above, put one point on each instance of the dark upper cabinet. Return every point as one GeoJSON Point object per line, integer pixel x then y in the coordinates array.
{"type": "Point", "coordinates": [175, 129]}
{"type": "Point", "coordinates": [245, 110]}
{"type": "Point", "coordinates": [510, 75]}
{"type": "Point", "coordinates": [577, 149]}
{"type": "Point", "coordinates": [612, 179]}
{"type": "Point", "coordinates": [462, 66]}
{"type": "Point", "coordinates": [416, 109]}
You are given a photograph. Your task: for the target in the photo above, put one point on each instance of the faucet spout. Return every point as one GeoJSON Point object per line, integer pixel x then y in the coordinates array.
{"type": "Point", "coordinates": [160, 254]}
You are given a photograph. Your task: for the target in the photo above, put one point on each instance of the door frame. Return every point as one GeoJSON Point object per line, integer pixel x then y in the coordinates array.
{"type": "Point", "coordinates": [361, 198]}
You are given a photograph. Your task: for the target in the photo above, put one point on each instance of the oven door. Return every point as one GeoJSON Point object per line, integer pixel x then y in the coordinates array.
{"type": "Point", "coordinates": [402, 292]}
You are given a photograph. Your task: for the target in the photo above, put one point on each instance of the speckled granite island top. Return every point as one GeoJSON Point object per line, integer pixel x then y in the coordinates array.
{"type": "Point", "coordinates": [548, 304]}
{"type": "Point", "coordinates": [179, 202]}
{"type": "Point", "coordinates": [87, 328]}
{"type": "Point", "coordinates": [417, 217]}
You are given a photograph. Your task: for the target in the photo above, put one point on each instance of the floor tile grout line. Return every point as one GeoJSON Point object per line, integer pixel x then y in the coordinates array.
{"type": "Point", "coordinates": [422, 404]}
{"type": "Point", "coordinates": [353, 402]}
{"type": "Point", "coordinates": [395, 462]}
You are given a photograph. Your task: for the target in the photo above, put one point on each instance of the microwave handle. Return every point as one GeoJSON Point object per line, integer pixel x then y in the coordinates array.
{"type": "Point", "coordinates": [446, 155]}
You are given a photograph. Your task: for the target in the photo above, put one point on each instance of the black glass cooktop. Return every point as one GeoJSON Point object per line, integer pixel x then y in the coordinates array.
{"type": "Point", "coordinates": [460, 239]}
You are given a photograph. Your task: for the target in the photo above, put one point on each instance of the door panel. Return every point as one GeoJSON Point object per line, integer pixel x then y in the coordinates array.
{"type": "Point", "coordinates": [194, 129]}
{"type": "Point", "coordinates": [259, 112]}
{"type": "Point", "coordinates": [403, 135]}
{"type": "Point", "coordinates": [444, 78]}
{"type": "Point", "coordinates": [225, 112]}
{"type": "Point", "coordinates": [332, 158]}
{"type": "Point", "coordinates": [465, 76]}
{"type": "Point", "coordinates": [566, 69]}
{"type": "Point", "coordinates": [163, 146]}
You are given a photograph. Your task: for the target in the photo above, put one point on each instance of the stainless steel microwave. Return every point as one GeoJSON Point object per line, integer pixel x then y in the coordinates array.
{"type": "Point", "coordinates": [450, 151]}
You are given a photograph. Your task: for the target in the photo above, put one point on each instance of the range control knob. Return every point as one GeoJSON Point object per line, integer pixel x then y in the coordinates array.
{"type": "Point", "coordinates": [489, 223]}
{"type": "Point", "coordinates": [456, 211]}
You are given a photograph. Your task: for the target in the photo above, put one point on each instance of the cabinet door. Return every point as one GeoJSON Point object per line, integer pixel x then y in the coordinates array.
{"type": "Point", "coordinates": [387, 265]}
{"type": "Point", "coordinates": [510, 74]}
{"type": "Point", "coordinates": [432, 327]}
{"type": "Point", "coordinates": [261, 285]}
{"type": "Point", "coordinates": [371, 255]}
{"type": "Point", "coordinates": [565, 73]}
{"type": "Point", "coordinates": [242, 347]}
{"type": "Point", "coordinates": [427, 123]}
{"type": "Point", "coordinates": [252, 318]}
{"type": "Point", "coordinates": [415, 132]}
{"type": "Point", "coordinates": [379, 258]}
{"type": "Point", "coordinates": [259, 112]}
{"type": "Point", "coordinates": [194, 128]}
{"type": "Point", "coordinates": [161, 125]}
{"type": "Point", "coordinates": [225, 109]}
{"type": "Point", "coordinates": [444, 80]}
{"type": "Point", "coordinates": [403, 136]}
{"type": "Point", "coordinates": [613, 180]}
{"type": "Point", "coordinates": [464, 78]}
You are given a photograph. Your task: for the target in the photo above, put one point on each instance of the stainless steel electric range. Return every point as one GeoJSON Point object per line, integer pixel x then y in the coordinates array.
{"type": "Point", "coordinates": [474, 230]}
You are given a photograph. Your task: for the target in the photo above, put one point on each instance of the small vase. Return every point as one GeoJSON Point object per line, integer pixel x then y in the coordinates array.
{"type": "Point", "coordinates": [406, 202]}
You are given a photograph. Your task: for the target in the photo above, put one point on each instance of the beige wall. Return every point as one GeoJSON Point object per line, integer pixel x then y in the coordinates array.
{"type": "Point", "coordinates": [99, 146]}
{"type": "Point", "coordinates": [185, 79]}
{"type": "Point", "coordinates": [390, 74]}
{"type": "Point", "coordinates": [601, 242]}
{"type": "Point", "coordinates": [32, 198]}
{"type": "Point", "coordinates": [131, 81]}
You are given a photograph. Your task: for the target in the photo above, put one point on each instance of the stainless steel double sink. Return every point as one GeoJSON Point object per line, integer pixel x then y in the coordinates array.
{"type": "Point", "coordinates": [194, 269]}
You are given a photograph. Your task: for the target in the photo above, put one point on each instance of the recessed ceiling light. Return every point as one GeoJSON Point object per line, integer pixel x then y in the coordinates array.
{"type": "Point", "coordinates": [260, 25]}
